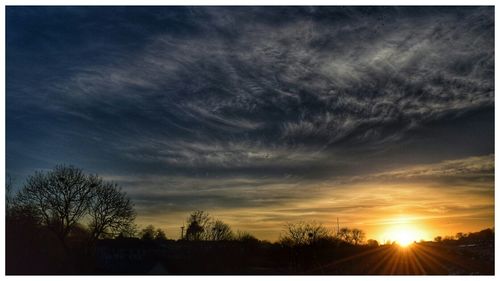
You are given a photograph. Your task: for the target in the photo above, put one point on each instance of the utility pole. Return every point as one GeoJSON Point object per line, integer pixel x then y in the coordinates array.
{"type": "Point", "coordinates": [338, 226]}
{"type": "Point", "coordinates": [182, 232]}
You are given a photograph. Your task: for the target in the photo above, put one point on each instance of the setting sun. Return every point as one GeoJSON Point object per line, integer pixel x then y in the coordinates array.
{"type": "Point", "coordinates": [404, 232]}
{"type": "Point", "coordinates": [404, 237]}
{"type": "Point", "coordinates": [286, 140]}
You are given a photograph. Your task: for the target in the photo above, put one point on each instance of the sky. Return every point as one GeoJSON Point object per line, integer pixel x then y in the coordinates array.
{"type": "Point", "coordinates": [382, 117]}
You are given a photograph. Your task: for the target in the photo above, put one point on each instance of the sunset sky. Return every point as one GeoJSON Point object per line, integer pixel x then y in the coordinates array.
{"type": "Point", "coordinates": [382, 117]}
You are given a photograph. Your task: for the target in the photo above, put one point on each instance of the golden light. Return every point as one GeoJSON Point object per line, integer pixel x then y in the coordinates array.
{"type": "Point", "coordinates": [403, 232]}
{"type": "Point", "coordinates": [403, 237]}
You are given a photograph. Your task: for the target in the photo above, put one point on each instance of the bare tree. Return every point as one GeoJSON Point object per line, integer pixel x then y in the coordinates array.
{"type": "Point", "coordinates": [65, 196]}
{"type": "Point", "coordinates": [129, 231]}
{"type": "Point", "coordinates": [198, 226]}
{"type": "Point", "coordinates": [16, 213]}
{"type": "Point", "coordinates": [60, 197]}
{"type": "Point", "coordinates": [201, 226]}
{"type": "Point", "coordinates": [220, 231]}
{"type": "Point", "coordinates": [344, 234]}
{"type": "Point", "coordinates": [357, 236]}
{"type": "Point", "coordinates": [352, 236]}
{"type": "Point", "coordinates": [303, 233]}
{"type": "Point", "coordinates": [110, 210]}
{"type": "Point", "coordinates": [9, 200]}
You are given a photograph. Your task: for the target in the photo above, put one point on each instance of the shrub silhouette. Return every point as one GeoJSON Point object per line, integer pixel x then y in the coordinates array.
{"type": "Point", "coordinates": [148, 233]}
{"type": "Point", "coordinates": [160, 234]}
{"type": "Point", "coordinates": [372, 243]}
{"type": "Point", "coordinates": [246, 237]}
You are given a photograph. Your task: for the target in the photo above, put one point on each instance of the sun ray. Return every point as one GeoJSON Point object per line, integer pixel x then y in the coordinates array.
{"type": "Point", "coordinates": [387, 254]}
{"type": "Point", "coordinates": [430, 260]}
{"type": "Point", "coordinates": [416, 262]}
{"type": "Point", "coordinates": [446, 258]}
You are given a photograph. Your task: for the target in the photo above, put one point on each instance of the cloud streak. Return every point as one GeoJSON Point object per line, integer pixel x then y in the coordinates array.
{"type": "Point", "coordinates": [253, 106]}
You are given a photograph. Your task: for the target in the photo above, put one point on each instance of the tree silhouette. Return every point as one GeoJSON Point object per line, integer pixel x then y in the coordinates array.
{"type": "Point", "coordinates": [303, 233]}
{"type": "Point", "coordinates": [220, 231]}
{"type": "Point", "coordinates": [357, 236]}
{"type": "Point", "coordinates": [247, 237]}
{"type": "Point", "coordinates": [198, 225]}
{"type": "Point", "coordinates": [60, 197]}
{"type": "Point", "coordinates": [148, 233]}
{"type": "Point", "coordinates": [128, 231]}
{"type": "Point", "coordinates": [344, 234]}
{"type": "Point", "coordinates": [9, 200]}
{"type": "Point", "coordinates": [194, 231]}
{"type": "Point", "coordinates": [201, 226]}
{"type": "Point", "coordinates": [110, 210]}
{"type": "Point", "coordinates": [65, 196]}
{"type": "Point", "coordinates": [372, 243]}
{"type": "Point", "coordinates": [351, 236]}
{"type": "Point", "coordinates": [160, 234]}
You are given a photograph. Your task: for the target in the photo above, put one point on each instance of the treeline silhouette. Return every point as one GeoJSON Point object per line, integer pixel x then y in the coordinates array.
{"type": "Point", "coordinates": [66, 222]}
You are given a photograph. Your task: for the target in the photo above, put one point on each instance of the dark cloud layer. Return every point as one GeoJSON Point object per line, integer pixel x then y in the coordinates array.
{"type": "Point", "coordinates": [281, 94]}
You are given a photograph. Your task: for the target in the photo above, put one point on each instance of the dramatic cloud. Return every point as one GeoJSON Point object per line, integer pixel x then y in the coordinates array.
{"type": "Point", "coordinates": [433, 194]}
{"type": "Point", "coordinates": [255, 107]}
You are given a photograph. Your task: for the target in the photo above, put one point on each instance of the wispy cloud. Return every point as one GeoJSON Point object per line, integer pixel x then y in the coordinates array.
{"type": "Point", "coordinates": [256, 107]}
{"type": "Point", "coordinates": [472, 167]}
{"type": "Point", "coordinates": [368, 202]}
{"type": "Point", "coordinates": [296, 78]}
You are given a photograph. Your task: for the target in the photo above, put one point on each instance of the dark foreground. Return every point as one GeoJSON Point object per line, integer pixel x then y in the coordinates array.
{"type": "Point", "coordinates": [427, 258]}
{"type": "Point", "coordinates": [139, 257]}
{"type": "Point", "coordinates": [417, 259]}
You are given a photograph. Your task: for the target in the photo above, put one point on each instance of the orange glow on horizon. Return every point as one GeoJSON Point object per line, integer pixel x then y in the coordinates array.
{"type": "Point", "coordinates": [404, 232]}
{"type": "Point", "coordinates": [395, 212]}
